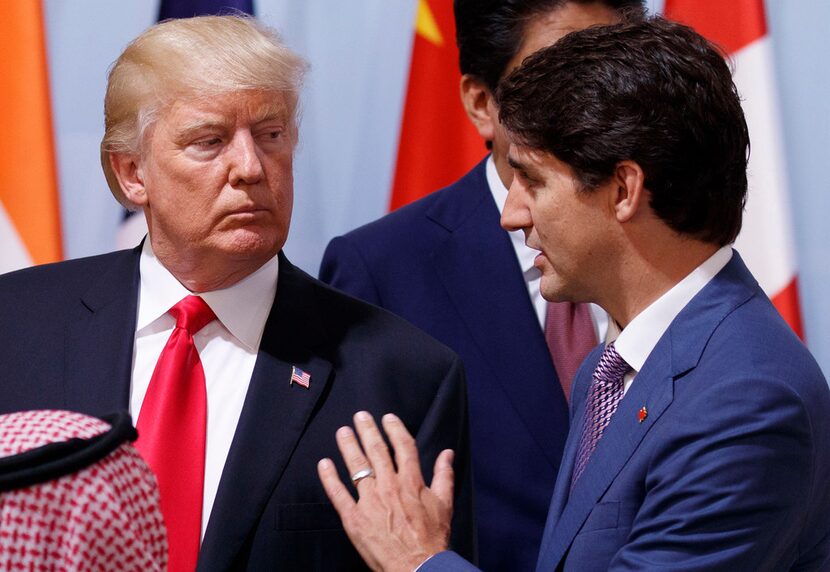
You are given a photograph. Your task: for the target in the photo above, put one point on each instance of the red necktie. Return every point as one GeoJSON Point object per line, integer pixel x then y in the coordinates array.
{"type": "Point", "coordinates": [171, 432]}
{"type": "Point", "coordinates": [570, 335]}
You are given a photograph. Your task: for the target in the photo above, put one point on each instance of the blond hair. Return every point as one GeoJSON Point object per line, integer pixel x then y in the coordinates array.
{"type": "Point", "coordinates": [191, 57]}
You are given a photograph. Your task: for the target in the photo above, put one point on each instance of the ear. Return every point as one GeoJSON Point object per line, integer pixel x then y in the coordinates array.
{"type": "Point", "coordinates": [478, 103]}
{"type": "Point", "coordinates": [127, 170]}
{"type": "Point", "coordinates": [630, 193]}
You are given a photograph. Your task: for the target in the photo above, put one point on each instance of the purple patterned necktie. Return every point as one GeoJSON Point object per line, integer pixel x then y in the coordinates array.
{"type": "Point", "coordinates": [603, 398]}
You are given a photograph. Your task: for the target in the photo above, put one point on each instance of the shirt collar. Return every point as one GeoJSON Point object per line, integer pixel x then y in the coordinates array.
{"type": "Point", "coordinates": [641, 335]}
{"type": "Point", "coordinates": [242, 308]}
{"type": "Point", "coordinates": [524, 253]}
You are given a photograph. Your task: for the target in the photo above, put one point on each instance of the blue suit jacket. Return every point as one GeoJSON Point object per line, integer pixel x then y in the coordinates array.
{"type": "Point", "coordinates": [66, 341]}
{"type": "Point", "coordinates": [446, 265]}
{"type": "Point", "coordinates": [729, 470]}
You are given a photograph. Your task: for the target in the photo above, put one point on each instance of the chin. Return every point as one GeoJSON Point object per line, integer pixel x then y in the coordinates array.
{"type": "Point", "coordinates": [247, 244]}
{"type": "Point", "coordinates": [553, 290]}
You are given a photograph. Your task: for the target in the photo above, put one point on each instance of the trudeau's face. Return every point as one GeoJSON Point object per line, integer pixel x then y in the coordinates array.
{"type": "Point", "coordinates": [567, 225]}
{"type": "Point", "coordinates": [216, 175]}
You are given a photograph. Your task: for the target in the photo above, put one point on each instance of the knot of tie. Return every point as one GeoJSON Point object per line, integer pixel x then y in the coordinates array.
{"type": "Point", "coordinates": [192, 313]}
{"type": "Point", "coordinates": [611, 367]}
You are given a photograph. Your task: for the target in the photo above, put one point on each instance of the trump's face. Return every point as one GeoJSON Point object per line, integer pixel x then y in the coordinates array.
{"type": "Point", "coordinates": [214, 178]}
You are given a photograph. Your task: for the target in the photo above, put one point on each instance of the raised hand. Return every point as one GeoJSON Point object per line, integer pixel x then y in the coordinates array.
{"type": "Point", "coordinates": [397, 522]}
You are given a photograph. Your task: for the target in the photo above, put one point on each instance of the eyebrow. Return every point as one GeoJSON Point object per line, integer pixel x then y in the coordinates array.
{"type": "Point", "coordinates": [522, 168]}
{"type": "Point", "coordinates": [515, 164]}
{"type": "Point", "coordinates": [191, 128]}
{"type": "Point", "coordinates": [269, 111]}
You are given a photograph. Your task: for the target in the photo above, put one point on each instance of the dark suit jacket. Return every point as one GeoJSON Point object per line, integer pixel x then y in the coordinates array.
{"type": "Point", "coordinates": [445, 264]}
{"type": "Point", "coordinates": [728, 471]}
{"type": "Point", "coordinates": [67, 338]}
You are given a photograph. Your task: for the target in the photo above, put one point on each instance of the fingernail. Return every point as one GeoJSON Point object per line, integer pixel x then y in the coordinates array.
{"type": "Point", "coordinates": [324, 463]}
{"type": "Point", "coordinates": [362, 416]}
{"type": "Point", "coordinates": [390, 417]}
{"type": "Point", "coordinates": [344, 431]}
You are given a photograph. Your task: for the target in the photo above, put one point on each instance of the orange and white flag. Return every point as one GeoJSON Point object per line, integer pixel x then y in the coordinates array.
{"type": "Point", "coordinates": [438, 144]}
{"type": "Point", "coordinates": [766, 241]}
{"type": "Point", "coordinates": [29, 212]}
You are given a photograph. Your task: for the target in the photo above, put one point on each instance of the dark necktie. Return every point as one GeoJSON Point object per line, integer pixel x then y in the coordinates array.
{"type": "Point", "coordinates": [604, 396]}
{"type": "Point", "coordinates": [171, 432]}
{"type": "Point", "coordinates": [569, 333]}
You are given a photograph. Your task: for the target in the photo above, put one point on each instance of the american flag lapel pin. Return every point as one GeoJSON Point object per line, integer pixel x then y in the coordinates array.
{"type": "Point", "coordinates": [299, 377]}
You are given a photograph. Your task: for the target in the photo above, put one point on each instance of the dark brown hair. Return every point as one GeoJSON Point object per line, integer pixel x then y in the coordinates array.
{"type": "Point", "coordinates": [650, 91]}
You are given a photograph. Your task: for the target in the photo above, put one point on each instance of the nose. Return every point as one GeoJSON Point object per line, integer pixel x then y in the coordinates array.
{"type": "Point", "coordinates": [245, 166]}
{"type": "Point", "coordinates": [515, 215]}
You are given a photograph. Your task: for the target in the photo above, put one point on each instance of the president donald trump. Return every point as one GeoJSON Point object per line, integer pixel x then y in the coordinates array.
{"type": "Point", "coordinates": [236, 365]}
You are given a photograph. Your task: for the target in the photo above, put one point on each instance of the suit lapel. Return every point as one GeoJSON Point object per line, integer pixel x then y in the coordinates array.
{"type": "Point", "coordinates": [677, 353]}
{"type": "Point", "coordinates": [652, 389]}
{"type": "Point", "coordinates": [273, 418]}
{"type": "Point", "coordinates": [472, 265]}
{"type": "Point", "coordinates": [582, 382]}
{"type": "Point", "coordinates": [100, 338]}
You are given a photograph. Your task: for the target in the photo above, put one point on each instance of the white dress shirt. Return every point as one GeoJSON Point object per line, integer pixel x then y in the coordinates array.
{"type": "Point", "coordinates": [527, 255]}
{"type": "Point", "coordinates": [636, 342]}
{"type": "Point", "coordinates": [227, 347]}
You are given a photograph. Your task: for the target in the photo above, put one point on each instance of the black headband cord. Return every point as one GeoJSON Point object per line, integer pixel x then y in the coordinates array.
{"type": "Point", "coordinates": [58, 459]}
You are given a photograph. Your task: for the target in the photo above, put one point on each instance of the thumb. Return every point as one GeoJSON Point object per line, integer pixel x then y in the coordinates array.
{"type": "Point", "coordinates": [443, 477]}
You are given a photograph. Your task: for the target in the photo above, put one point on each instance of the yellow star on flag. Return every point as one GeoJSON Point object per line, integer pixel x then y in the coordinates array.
{"type": "Point", "coordinates": [425, 24]}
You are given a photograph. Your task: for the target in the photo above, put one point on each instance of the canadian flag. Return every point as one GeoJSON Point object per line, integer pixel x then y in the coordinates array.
{"type": "Point", "coordinates": [766, 241]}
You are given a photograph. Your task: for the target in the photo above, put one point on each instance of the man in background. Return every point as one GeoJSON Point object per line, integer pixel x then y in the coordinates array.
{"type": "Point", "coordinates": [701, 429]}
{"type": "Point", "coordinates": [446, 265]}
{"type": "Point", "coordinates": [237, 366]}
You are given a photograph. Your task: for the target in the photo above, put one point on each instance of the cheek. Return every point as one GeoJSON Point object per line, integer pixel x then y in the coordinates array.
{"type": "Point", "coordinates": [285, 206]}
{"type": "Point", "coordinates": [548, 221]}
{"type": "Point", "coordinates": [185, 184]}
{"type": "Point", "coordinates": [281, 182]}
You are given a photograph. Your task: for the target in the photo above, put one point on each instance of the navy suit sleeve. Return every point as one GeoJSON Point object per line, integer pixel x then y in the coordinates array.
{"type": "Point", "coordinates": [446, 561]}
{"type": "Point", "coordinates": [729, 488]}
{"type": "Point", "coordinates": [344, 267]}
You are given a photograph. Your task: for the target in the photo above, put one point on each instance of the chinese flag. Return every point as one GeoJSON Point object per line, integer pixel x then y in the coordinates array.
{"type": "Point", "coordinates": [766, 240]}
{"type": "Point", "coordinates": [438, 144]}
{"type": "Point", "coordinates": [29, 213]}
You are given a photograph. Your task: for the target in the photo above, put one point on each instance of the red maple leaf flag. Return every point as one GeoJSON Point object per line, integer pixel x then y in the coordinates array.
{"type": "Point", "coordinates": [766, 240]}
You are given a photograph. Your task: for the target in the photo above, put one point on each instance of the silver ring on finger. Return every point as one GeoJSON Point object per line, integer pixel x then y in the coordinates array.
{"type": "Point", "coordinates": [362, 474]}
